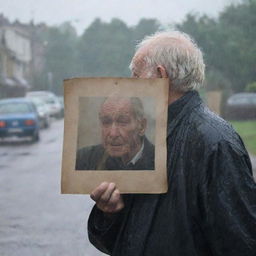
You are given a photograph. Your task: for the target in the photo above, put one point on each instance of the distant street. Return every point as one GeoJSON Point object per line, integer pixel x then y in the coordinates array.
{"type": "Point", "coordinates": [35, 219]}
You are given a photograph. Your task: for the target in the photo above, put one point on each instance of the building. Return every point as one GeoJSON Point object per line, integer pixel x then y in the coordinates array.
{"type": "Point", "coordinates": [15, 59]}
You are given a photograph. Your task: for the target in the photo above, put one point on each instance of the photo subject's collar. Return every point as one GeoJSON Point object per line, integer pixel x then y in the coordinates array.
{"type": "Point", "coordinates": [137, 156]}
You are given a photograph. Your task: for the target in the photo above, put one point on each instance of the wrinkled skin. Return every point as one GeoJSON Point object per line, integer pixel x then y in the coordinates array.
{"type": "Point", "coordinates": [121, 132]}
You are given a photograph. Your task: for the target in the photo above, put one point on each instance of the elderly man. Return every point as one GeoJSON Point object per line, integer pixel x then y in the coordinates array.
{"type": "Point", "coordinates": [210, 206]}
{"type": "Point", "coordinates": [124, 144]}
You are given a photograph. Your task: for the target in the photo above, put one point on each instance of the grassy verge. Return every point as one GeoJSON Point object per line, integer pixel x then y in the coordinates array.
{"type": "Point", "coordinates": [247, 130]}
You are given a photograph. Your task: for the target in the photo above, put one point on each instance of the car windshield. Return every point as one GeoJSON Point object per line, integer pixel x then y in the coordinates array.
{"type": "Point", "coordinates": [253, 100]}
{"type": "Point", "coordinates": [239, 100]}
{"type": "Point", "coordinates": [242, 100]}
{"type": "Point", "coordinates": [11, 108]}
{"type": "Point", "coordinates": [38, 102]}
{"type": "Point", "coordinates": [50, 101]}
{"type": "Point", "coordinates": [46, 99]}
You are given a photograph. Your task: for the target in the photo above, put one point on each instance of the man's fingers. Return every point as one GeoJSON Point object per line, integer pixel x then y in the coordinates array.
{"type": "Point", "coordinates": [115, 203]}
{"type": "Point", "coordinates": [99, 191]}
{"type": "Point", "coordinates": [108, 198]}
{"type": "Point", "coordinates": [114, 198]}
{"type": "Point", "coordinates": [108, 193]}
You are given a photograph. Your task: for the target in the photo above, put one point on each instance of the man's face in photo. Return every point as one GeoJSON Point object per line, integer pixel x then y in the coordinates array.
{"type": "Point", "coordinates": [121, 131]}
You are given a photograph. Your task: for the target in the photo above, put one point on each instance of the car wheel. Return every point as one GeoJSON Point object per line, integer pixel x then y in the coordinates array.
{"type": "Point", "coordinates": [58, 116]}
{"type": "Point", "coordinates": [35, 137]}
{"type": "Point", "coordinates": [46, 124]}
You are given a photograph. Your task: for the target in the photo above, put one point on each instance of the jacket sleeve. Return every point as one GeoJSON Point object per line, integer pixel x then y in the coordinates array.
{"type": "Point", "coordinates": [229, 202]}
{"type": "Point", "coordinates": [102, 230]}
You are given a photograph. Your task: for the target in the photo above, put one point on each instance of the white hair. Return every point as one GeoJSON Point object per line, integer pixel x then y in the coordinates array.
{"type": "Point", "coordinates": [136, 104]}
{"type": "Point", "coordinates": [178, 54]}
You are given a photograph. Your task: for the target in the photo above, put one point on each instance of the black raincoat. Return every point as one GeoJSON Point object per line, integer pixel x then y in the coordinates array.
{"type": "Point", "coordinates": [210, 206]}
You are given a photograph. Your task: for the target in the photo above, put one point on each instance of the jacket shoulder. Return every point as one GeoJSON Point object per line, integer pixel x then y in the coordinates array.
{"type": "Point", "coordinates": [88, 157]}
{"type": "Point", "coordinates": [210, 129]}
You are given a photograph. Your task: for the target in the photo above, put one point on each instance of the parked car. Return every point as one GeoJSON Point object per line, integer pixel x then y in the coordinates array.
{"type": "Point", "coordinates": [241, 106]}
{"type": "Point", "coordinates": [19, 117]}
{"type": "Point", "coordinates": [61, 101]}
{"type": "Point", "coordinates": [43, 112]}
{"type": "Point", "coordinates": [50, 99]}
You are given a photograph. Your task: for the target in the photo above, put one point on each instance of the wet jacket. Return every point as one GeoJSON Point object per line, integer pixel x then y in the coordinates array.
{"type": "Point", "coordinates": [210, 206]}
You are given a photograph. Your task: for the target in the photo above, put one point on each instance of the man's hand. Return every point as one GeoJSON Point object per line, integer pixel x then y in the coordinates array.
{"type": "Point", "coordinates": [107, 198]}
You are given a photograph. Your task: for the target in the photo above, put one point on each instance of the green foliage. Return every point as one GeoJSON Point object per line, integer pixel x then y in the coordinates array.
{"type": "Point", "coordinates": [247, 130]}
{"type": "Point", "coordinates": [60, 56]}
{"type": "Point", "coordinates": [145, 27]}
{"type": "Point", "coordinates": [251, 87]}
{"type": "Point", "coordinates": [228, 42]}
{"type": "Point", "coordinates": [215, 80]}
{"type": "Point", "coordinates": [105, 49]}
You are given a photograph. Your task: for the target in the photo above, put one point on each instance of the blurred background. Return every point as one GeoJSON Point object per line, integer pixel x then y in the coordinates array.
{"type": "Point", "coordinates": [43, 42]}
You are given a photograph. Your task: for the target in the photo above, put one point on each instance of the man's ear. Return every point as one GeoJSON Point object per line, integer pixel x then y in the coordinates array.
{"type": "Point", "coordinates": [142, 127]}
{"type": "Point", "coordinates": [161, 72]}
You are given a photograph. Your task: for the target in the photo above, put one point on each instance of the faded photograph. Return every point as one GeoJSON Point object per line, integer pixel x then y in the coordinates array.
{"type": "Point", "coordinates": [116, 133]}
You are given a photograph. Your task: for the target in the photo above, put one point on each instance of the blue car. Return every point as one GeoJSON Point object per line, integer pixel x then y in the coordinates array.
{"type": "Point", "coordinates": [19, 117]}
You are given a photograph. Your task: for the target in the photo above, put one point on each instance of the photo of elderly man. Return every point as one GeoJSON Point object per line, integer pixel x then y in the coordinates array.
{"type": "Point", "coordinates": [124, 145]}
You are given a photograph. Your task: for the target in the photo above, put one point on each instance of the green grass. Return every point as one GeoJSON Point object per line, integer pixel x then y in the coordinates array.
{"type": "Point", "coordinates": [247, 130]}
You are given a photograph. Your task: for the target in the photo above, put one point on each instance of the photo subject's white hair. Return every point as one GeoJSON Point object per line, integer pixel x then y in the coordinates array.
{"type": "Point", "coordinates": [178, 54]}
{"type": "Point", "coordinates": [136, 104]}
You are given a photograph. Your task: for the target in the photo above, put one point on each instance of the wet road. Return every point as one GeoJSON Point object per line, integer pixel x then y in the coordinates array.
{"type": "Point", "coordinates": [35, 219]}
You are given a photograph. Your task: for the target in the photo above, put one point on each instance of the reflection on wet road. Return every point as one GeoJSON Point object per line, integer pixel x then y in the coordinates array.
{"type": "Point", "coordinates": [35, 219]}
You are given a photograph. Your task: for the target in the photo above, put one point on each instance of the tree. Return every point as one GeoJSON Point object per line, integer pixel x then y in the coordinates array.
{"type": "Point", "coordinates": [60, 56]}
{"type": "Point", "coordinates": [251, 87]}
{"type": "Point", "coordinates": [145, 27]}
{"type": "Point", "coordinates": [228, 42]}
{"type": "Point", "coordinates": [105, 49]}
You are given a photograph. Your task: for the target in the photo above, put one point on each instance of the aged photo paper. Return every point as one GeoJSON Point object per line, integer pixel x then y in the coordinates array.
{"type": "Point", "coordinates": [115, 131]}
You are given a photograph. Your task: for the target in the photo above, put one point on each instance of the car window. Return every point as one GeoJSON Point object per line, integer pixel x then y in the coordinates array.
{"type": "Point", "coordinates": [10, 108]}
{"type": "Point", "coordinates": [47, 99]}
{"type": "Point", "coordinates": [253, 100]}
{"type": "Point", "coordinates": [239, 100]}
{"type": "Point", "coordinates": [50, 101]}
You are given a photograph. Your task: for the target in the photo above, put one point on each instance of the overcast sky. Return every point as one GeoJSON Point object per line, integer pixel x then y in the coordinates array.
{"type": "Point", "coordinates": [82, 12]}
